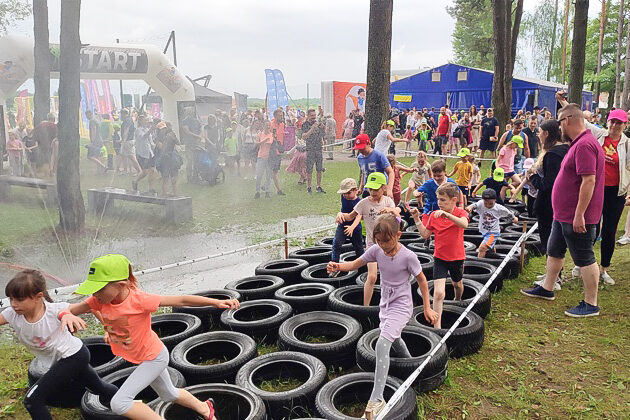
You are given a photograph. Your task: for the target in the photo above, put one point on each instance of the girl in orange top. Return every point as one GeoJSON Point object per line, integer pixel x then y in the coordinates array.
{"type": "Point", "coordinates": [125, 311]}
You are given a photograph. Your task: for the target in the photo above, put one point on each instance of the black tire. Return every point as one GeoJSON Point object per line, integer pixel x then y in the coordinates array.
{"type": "Point", "coordinates": [209, 315]}
{"type": "Point", "coordinates": [230, 349]}
{"type": "Point", "coordinates": [230, 402]}
{"type": "Point", "coordinates": [411, 228]}
{"type": "Point", "coordinates": [356, 388]}
{"type": "Point", "coordinates": [259, 319]}
{"type": "Point", "coordinates": [328, 241]}
{"type": "Point", "coordinates": [426, 261]}
{"type": "Point", "coordinates": [407, 238]}
{"type": "Point", "coordinates": [419, 247]}
{"type": "Point", "coordinates": [475, 273]}
{"type": "Point", "coordinates": [92, 409]}
{"type": "Point", "coordinates": [174, 328]}
{"type": "Point", "coordinates": [420, 343]}
{"type": "Point", "coordinates": [313, 255]}
{"type": "Point", "coordinates": [349, 300]}
{"type": "Point", "coordinates": [262, 286]}
{"type": "Point", "coordinates": [495, 257]}
{"type": "Point", "coordinates": [474, 238]}
{"type": "Point", "coordinates": [517, 205]}
{"type": "Point", "coordinates": [101, 357]}
{"type": "Point", "coordinates": [288, 403]}
{"type": "Point", "coordinates": [471, 289]}
{"type": "Point", "coordinates": [351, 256]}
{"type": "Point", "coordinates": [305, 297]}
{"type": "Point", "coordinates": [478, 271]}
{"type": "Point", "coordinates": [533, 243]}
{"type": "Point", "coordinates": [67, 396]}
{"type": "Point", "coordinates": [288, 269]}
{"type": "Point", "coordinates": [340, 330]}
{"type": "Point", "coordinates": [517, 228]}
{"type": "Point", "coordinates": [317, 274]}
{"type": "Point", "coordinates": [466, 339]}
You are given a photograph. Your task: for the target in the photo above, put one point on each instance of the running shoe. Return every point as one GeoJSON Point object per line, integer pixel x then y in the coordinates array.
{"type": "Point", "coordinates": [539, 292]}
{"type": "Point", "coordinates": [583, 310]}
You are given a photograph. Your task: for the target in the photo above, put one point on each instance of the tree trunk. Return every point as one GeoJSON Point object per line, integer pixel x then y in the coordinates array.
{"type": "Point", "coordinates": [41, 52]}
{"type": "Point", "coordinates": [617, 101]}
{"type": "Point", "coordinates": [71, 207]}
{"type": "Point", "coordinates": [625, 100]}
{"type": "Point", "coordinates": [553, 40]}
{"type": "Point", "coordinates": [505, 36]}
{"type": "Point", "coordinates": [578, 51]}
{"type": "Point", "coordinates": [600, 46]}
{"type": "Point", "coordinates": [378, 66]}
{"type": "Point", "coordinates": [564, 41]}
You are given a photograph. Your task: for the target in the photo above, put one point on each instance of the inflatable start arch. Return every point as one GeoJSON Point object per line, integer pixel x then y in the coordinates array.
{"type": "Point", "coordinates": [105, 61]}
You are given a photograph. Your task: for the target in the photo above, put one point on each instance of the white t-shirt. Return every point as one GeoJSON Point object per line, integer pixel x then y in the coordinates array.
{"type": "Point", "coordinates": [369, 210]}
{"type": "Point", "coordinates": [489, 217]}
{"type": "Point", "coordinates": [44, 338]}
{"type": "Point", "coordinates": [382, 143]}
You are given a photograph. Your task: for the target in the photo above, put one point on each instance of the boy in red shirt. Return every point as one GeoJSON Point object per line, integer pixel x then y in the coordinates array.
{"type": "Point", "coordinates": [447, 224]}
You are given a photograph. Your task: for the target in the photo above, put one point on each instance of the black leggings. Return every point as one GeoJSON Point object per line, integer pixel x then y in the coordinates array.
{"type": "Point", "coordinates": [544, 214]}
{"type": "Point", "coordinates": [613, 207]}
{"type": "Point", "coordinates": [75, 367]}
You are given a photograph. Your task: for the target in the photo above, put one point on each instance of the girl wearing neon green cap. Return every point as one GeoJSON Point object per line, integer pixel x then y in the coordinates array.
{"type": "Point", "coordinates": [385, 138]}
{"type": "Point", "coordinates": [125, 312]}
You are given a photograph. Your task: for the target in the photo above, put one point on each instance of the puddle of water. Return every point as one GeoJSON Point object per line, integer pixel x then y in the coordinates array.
{"type": "Point", "coordinates": [149, 252]}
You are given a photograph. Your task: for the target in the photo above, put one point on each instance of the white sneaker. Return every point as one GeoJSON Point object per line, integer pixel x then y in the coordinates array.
{"type": "Point", "coordinates": [624, 240]}
{"type": "Point", "coordinates": [576, 272]}
{"type": "Point", "coordinates": [605, 277]}
{"type": "Point", "coordinates": [541, 277]}
{"type": "Point", "coordinates": [556, 286]}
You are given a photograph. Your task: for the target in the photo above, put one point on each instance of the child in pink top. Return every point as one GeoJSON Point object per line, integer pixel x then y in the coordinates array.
{"type": "Point", "coordinates": [125, 311]}
{"type": "Point", "coordinates": [15, 148]}
{"type": "Point", "coordinates": [507, 155]}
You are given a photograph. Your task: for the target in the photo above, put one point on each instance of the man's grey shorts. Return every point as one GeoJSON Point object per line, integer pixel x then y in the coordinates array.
{"type": "Point", "coordinates": [580, 244]}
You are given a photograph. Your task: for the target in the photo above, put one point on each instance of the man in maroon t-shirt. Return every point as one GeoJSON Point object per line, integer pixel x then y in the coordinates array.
{"type": "Point", "coordinates": [577, 199]}
{"type": "Point", "coordinates": [443, 130]}
{"type": "Point", "coordinates": [44, 134]}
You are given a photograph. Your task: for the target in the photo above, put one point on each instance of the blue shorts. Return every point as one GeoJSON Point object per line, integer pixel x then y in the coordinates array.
{"type": "Point", "coordinates": [509, 174]}
{"type": "Point", "coordinates": [490, 239]}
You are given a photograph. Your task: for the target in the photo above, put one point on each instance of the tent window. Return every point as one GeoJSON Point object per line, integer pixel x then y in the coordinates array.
{"type": "Point", "coordinates": [462, 76]}
{"type": "Point", "coordinates": [436, 76]}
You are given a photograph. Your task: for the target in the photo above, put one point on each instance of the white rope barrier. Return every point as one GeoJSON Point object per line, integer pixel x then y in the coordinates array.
{"type": "Point", "coordinates": [409, 381]}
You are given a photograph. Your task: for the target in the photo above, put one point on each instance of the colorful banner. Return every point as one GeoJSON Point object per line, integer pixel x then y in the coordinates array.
{"type": "Point", "coordinates": [347, 96]}
{"type": "Point", "coordinates": [402, 98]}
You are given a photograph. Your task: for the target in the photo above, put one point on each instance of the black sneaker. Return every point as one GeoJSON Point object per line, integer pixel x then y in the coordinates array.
{"type": "Point", "coordinates": [309, 190]}
{"type": "Point", "coordinates": [320, 190]}
{"type": "Point", "coordinates": [539, 292]}
{"type": "Point", "coordinates": [281, 193]}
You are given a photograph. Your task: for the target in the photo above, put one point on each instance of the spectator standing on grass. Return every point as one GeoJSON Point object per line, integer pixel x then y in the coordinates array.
{"type": "Point", "coordinates": [277, 147]}
{"type": "Point", "coordinates": [330, 128]}
{"type": "Point", "coordinates": [145, 152]}
{"type": "Point", "coordinates": [443, 132]}
{"type": "Point", "coordinates": [313, 135]}
{"type": "Point", "coordinates": [533, 140]}
{"type": "Point", "coordinates": [192, 137]}
{"type": "Point", "coordinates": [489, 134]}
{"type": "Point", "coordinates": [371, 160]}
{"type": "Point", "coordinates": [96, 142]}
{"type": "Point", "coordinates": [263, 174]}
{"type": "Point", "coordinates": [348, 127]}
{"type": "Point", "coordinates": [577, 199]}
{"type": "Point", "coordinates": [616, 147]}
{"type": "Point", "coordinates": [15, 150]}
{"type": "Point", "coordinates": [44, 134]}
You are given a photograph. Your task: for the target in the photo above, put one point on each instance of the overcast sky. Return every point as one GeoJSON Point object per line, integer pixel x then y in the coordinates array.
{"type": "Point", "coordinates": [235, 40]}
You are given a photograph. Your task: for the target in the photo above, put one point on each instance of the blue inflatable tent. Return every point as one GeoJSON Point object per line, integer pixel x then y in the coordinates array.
{"type": "Point", "coordinates": [461, 87]}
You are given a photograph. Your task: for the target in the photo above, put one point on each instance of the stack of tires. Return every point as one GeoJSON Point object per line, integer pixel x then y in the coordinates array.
{"type": "Point", "coordinates": [320, 326]}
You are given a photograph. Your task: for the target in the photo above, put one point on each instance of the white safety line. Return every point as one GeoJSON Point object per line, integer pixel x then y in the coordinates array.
{"type": "Point", "coordinates": [409, 381]}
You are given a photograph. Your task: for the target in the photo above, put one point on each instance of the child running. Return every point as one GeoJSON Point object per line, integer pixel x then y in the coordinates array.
{"type": "Point", "coordinates": [46, 328]}
{"type": "Point", "coordinates": [125, 312]}
{"type": "Point", "coordinates": [397, 175]}
{"type": "Point", "coordinates": [427, 191]}
{"type": "Point", "coordinates": [476, 173]}
{"type": "Point", "coordinates": [447, 224]}
{"type": "Point", "coordinates": [349, 199]}
{"type": "Point", "coordinates": [463, 172]}
{"type": "Point", "coordinates": [506, 157]}
{"type": "Point", "coordinates": [368, 209]}
{"type": "Point", "coordinates": [497, 183]}
{"type": "Point", "coordinates": [421, 174]}
{"type": "Point", "coordinates": [489, 214]}
{"type": "Point", "coordinates": [396, 264]}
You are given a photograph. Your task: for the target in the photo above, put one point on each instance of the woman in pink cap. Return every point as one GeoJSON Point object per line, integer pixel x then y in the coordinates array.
{"type": "Point", "coordinates": [617, 184]}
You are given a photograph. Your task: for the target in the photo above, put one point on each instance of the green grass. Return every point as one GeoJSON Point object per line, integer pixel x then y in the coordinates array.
{"type": "Point", "coordinates": [280, 384]}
